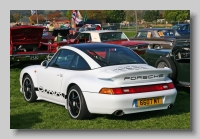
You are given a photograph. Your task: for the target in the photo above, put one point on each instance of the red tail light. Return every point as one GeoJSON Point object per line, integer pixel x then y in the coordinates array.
{"type": "Point", "coordinates": [137, 89]}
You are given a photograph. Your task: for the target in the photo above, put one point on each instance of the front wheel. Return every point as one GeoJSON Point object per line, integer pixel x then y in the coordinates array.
{"type": "Point", "coordinates": [28, 89]}
{"type": "Point", "coordinates": [76, 104]}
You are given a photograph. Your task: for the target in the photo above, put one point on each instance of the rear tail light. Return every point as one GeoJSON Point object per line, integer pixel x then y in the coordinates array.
{"type": "Point", "coordinates": [137, 89]}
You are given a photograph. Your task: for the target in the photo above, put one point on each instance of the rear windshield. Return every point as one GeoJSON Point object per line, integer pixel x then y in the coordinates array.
{"type": "Point", "coordinates": [114, 56]}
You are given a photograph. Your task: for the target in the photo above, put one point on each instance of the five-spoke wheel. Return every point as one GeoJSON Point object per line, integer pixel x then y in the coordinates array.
{"type": "Point", "coordinates": [28, 89]}
{"type": "Point", "coordinates": [76, 104]}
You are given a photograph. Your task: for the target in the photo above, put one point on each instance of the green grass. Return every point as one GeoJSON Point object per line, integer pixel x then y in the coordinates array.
{"type": "Point", "coordinates": [46, 115]}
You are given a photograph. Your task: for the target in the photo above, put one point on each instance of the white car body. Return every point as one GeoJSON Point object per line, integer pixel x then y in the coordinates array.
{"type": "Point", "coordinates": [95, 34]}
{"type": "Point", "coordinates": [52, 84]}
{"type": "Point", "coordinates": [111, 37]}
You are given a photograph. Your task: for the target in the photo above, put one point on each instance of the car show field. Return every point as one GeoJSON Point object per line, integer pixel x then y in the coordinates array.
{"type": "Point", "coordinates": [85, 74]}
{"type": "Point", "coordinates": [25, 115]}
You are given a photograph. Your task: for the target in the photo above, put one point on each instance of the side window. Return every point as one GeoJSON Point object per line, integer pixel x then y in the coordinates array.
{"type": "Point", "coordinates": [78, 63]}
{"type": "Point", "coordinates": [142, 34]}
{"type": "Point", "coordinates": [54, 58]}
{"type": "Point", "coordinates": [184, 28]}
{"type": "Point", "coordinates": [63, 59]}
{"type": "Point", "coordinates": [84, 37]}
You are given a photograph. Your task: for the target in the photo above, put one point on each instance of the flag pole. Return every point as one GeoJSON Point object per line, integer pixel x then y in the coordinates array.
{"type": "Point", "coordinates": [37, 16]}
{"type": "Point", "coordinates": [74, 20]}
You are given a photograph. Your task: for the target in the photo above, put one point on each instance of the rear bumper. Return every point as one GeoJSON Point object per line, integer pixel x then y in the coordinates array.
{"type": "Point", "coordinates": [108, 104]}
{"type": "Point", "coordinates": [29, 57]}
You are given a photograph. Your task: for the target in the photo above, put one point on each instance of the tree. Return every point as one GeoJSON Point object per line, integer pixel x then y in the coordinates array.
{"type": "Point", "coordinates": [33, 19]}
{"type": "Point", "coordinates": [53, 15]}
{"type": "Point", "coordinates": [115, 16]}
{"type": "Point", "coordinates": [16, 16]}
{"type": "Point", "coordinates": [176, 15]}
{"type": "Point", "coordinates": [69, 14]}
{"type": "Point", "coordinates": [151, 15]}
{"type": "Point", "coordinates": [130, 15]}
{"type": "Point", "coordinates": [98, 15]}
{"type": "Point", "coordinates": [12, 19]}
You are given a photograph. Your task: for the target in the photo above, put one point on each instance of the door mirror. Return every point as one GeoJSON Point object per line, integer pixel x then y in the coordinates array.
{"type": "Point", "coordinates": [44, 63]}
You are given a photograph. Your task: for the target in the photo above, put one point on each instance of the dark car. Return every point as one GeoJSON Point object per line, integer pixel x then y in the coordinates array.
{"type": "Point", "coordinates": [177, 58]}
{"type": "Point", "coordinates": [158, 37]}
{"type": "Point", "coordinates": [183, 29]}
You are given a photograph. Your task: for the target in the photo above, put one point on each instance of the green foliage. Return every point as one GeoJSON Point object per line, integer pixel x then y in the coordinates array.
{"type": "Point", "coordinates": [98, 15]}
{"type": "Point", "coordinates": [130, 15]}
{"type": "Point", "coordinates": [85, 16]}
{"type": "Point", "coordinates": [12, 19]}
{"type": "Point", "coordinates": [115, 16]}
{"type": "Point", "coordinates": [69, 14]}
{"type": "Point", "coordinates": [151, 15]}
{"type": "Point", "coordinates": [176, 15]}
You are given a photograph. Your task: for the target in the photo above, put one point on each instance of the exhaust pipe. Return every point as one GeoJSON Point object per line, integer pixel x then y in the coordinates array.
{"type": "Point", "coordinates": [118, 113]}
{"type": "Point", "coordinates": [170, 106]}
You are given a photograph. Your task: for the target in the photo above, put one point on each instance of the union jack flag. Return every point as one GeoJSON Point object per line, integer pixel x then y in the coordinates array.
{"type": "Point", "coordinates": [75, 17]}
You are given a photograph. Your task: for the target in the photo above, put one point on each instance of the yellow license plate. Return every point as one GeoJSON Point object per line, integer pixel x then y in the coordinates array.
{"type": "Point", "coordinates": [149, 101]}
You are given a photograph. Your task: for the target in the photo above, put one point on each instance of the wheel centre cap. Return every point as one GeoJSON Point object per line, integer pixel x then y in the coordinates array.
{"type": "Point", "coordinates": [74, 103]}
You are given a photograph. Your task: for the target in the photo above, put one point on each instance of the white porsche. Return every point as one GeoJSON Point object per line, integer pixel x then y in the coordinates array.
{"type": "Point", "coordinates": [97, 78]}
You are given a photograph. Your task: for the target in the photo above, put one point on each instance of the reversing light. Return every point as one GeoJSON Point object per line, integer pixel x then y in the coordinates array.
{"type": "Point", "coordinates": [137, 89]}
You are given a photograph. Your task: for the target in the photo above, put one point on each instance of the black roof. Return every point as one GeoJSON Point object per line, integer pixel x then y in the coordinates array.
{"type": "Point", "coordinates": [82, 46]}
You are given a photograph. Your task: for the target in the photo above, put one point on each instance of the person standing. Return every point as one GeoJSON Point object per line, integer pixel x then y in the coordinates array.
{"type": "Point", "coordinates": [58, 38]}
{"type": "Point", "coordinates": [51, 27]}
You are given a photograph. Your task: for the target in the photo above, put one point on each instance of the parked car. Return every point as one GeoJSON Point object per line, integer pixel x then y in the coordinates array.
{"type": "Point", "coordinates": [111, 37]}
{"type": "Point", "coordinates": [158, 37]}
{"type": "Point", "coordinates": [25, 44]}
{"type": "Point", "coordinates": [48, 37]}
{"type": "Point", "coordinates": [177, 58]}
{"type": "Point", "coordinates": [183, 29]}
{"type": "Point", "coordinates": [98, 78]}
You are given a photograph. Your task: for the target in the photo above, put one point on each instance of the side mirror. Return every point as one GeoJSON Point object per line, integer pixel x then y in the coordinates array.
{"type": "Point", "coordinates": [44, 63]}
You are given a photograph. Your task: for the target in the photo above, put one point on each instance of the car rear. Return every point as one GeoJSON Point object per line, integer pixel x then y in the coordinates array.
{"type": "Point", "coordinates": [138, 88]}
{"type": "Point", "coordinates": [123, 82]}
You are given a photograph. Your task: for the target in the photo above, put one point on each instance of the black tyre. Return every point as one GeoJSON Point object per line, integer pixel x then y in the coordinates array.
{"type": "Point", "coordinates": [167, 62]}
{"type": "Point", "coordinates": [28, 89]}
{"type": "Point", "coordinates": [157, 46]}
{"type": "Point", "coordinates": [76, 104]}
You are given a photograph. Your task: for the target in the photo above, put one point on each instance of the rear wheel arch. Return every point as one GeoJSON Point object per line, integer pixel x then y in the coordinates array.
{"type": "Point", "coordinates": [167, 62]}
{"type": "Point", "coordinates": [157, 46]}
{"type": "Point", "coordinates": [69, 86]}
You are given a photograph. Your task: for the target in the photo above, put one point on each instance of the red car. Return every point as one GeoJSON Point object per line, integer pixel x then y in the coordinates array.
{"type": "Point", "coordinates": [25, 44]}
{"type": "Point", "coordinates": [111, 37]}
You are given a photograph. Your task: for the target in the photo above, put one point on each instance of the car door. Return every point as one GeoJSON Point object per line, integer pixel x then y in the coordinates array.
{"type": "Point", "coordinates": [50, 77]}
